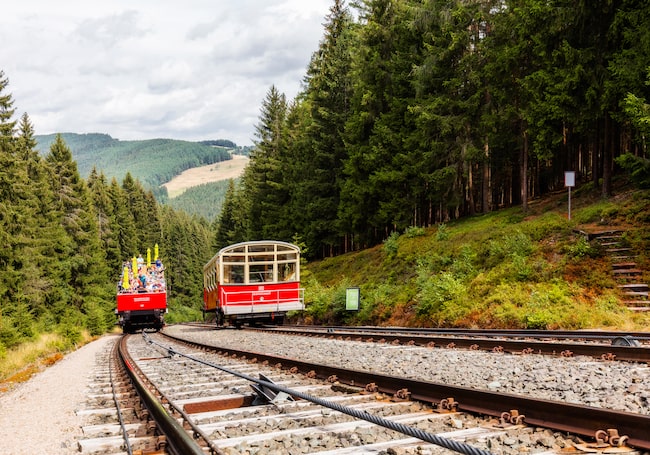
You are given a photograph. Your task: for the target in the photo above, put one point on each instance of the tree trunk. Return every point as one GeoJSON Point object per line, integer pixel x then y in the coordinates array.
{"type": "Point", "coordinates": [608, 157]}
{"type": "Point", "coordinates": [524, 172]}
{"type": "Point", "coordinates": [485, 205]}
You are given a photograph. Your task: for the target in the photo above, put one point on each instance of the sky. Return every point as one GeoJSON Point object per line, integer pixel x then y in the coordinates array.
{"type": "Point", "coordinates": [145, 69]}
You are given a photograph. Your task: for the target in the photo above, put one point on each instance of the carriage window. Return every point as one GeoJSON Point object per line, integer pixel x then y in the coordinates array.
{"type": "Point", "coordinates": [233, 273]}
{"type": "Point", "coordinates": [287, 256]}
{"type": "Point", "coordinates": [287, 272]}
{"type": "Point", "coordinates": [260, 248]}
{"type": "Point", "coordinates": [260, 258]}
{"type": "Point", "coordinates": [259, 273]}
{"type": "Point", "coordinates": [234, 257]}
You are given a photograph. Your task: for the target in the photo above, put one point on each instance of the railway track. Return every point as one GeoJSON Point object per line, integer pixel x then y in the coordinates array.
{"type": "Point", "coordinates": [578, 419]}
{"type": "Point", "coordinates": [302, 408]}
{"type": "Point", "coordinates": [633, 347]}
{"type": "Point", "coordinates": [115, 418]}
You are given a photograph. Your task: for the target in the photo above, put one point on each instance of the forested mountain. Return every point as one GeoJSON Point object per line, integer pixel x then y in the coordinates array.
{"type": "Point", "coordinates": [64, 238]}
{"type": "Point", "coordinates": [414, 113]}
{"type": "Point", "coordinates": [152, 162]}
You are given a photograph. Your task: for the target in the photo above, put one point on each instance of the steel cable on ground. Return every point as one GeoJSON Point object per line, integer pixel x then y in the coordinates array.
{"type": "Point", "coordinates": [450, 444]}
{"type": "Point", "coordinates": [125, 434]}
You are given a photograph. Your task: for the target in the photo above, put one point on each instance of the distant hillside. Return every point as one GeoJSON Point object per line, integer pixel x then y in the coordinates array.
{"type": "Point", "coordinates": [153, 161]}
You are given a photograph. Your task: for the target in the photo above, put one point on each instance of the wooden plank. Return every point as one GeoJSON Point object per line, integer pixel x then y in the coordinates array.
{"type": "Point", "coordinates": [227, 402]}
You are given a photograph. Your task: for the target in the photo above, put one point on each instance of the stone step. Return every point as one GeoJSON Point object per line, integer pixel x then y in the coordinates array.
{"type": "Point", "coordinates": [640, 309]}
{"type": "Point", "coordinates": [638, 287]}
{"type": "Point", "coordinates": [607, 233]}
{"type": "Point", "coordinates": [635, 303]}
{"type": "Point", "coordinates": [618, 250]}
{"type": "Point", "coordinates": [636, 294]}
{"type": "Point", "coordinates": [622, 258]}
{"type": "Point", "coordinates": [627, 279]}
{"type": "Point", "coordinates": [627, 272]}
{"type": "Point", "coordinates": [610, 244]}
{"type": "Point", "coordinates": [624, 265]}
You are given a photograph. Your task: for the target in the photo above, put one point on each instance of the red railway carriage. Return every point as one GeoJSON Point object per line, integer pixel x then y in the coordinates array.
{"type": "Point", "coordinates": [253, 282]}
{"type": "Point", "coordinates": [141, 296]}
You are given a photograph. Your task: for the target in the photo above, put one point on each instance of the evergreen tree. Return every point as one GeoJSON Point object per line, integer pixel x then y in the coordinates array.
{"type": "Point", "coordinates": [122, 222]}
{"type": "Point", "coordinates": [7, 124]}
{"type": "Point", "coordinates": [83, 258]}
{"type": "Point", "coordinates": [225, 226]}
{"type": "Point", "coordinates": [13, 189]}
{"type": "Point", "coordinates": [327, 98]}
{"type": "Point", "coordinates": [380, 192]}
{"type": "Point", "coordinates": [264, 178]}
{"type": "Point", "coordinates": [43, 231]}
{"type": "Point", "coordinates": [106, 220]}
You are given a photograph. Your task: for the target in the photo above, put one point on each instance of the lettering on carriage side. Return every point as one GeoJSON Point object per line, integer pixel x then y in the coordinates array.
{"type": "Point", "coordinates": [141, 299]}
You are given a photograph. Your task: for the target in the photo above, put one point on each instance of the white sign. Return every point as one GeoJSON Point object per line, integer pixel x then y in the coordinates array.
{"type": "Point", "coordinates": [570, 178]}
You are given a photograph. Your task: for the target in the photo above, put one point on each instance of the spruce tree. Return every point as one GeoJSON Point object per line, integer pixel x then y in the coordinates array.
{"type": "Point", "coordinates": [264, 177]}
{"type": "Point", "coordinates": [328, 92]}
{"type": "Point", "coordinates": [83, 258]}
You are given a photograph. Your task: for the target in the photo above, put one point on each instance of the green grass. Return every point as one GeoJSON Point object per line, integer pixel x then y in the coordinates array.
{"type": "Point", "coordinates": [505, 269]}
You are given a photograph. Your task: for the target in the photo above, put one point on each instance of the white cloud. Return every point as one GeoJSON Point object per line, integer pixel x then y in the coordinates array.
{"type": "Point", "coordinates": [139, 70]}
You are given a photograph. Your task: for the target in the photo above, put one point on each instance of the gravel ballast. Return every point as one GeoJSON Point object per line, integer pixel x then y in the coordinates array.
{"type": "Point", "coordinates": [584, 380]}
{"type": "Point", "coordinates": [39, 416]}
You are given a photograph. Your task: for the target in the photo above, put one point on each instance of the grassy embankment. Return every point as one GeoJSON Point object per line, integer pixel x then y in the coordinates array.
{"type": "Point", "coordinates": [506, 269]}
{"type": "Point", "coordinates": [20, 363]}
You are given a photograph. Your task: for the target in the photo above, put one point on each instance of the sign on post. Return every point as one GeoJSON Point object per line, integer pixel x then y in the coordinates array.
{"type": "Point", "coordinates": [569, 182]}
{"type": "Point", "coordinates": [352, 298]}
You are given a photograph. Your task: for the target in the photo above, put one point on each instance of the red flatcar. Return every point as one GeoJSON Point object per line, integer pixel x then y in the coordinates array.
{"type": "Point", "coordinates": [141, 296]}
{"type": "Point", "coordinates": [253, 282]}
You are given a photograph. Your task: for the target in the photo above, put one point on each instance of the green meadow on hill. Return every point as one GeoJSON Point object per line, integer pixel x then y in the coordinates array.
{"type": "Point", "coordinates": [505, 269]}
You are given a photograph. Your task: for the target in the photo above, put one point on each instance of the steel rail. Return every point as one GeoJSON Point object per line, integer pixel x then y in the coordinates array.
{"type": "Point", "coordinates": [572, 418]}
{"type": "Point", "coordinates": [611, 352]}
{"type": "Point", "coordinates": [456, 446]}
{"type": "Point", "coordinates": [179, 441]}
{"type": "Point", "coordinates": [118, 407]}
{"type": "Point", "coordinates": [534, 333]}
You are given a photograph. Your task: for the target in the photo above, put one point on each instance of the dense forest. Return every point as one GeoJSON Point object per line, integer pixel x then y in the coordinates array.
{"type": "Point", "coordinates": [413, 113]}
{"type": "Point", "coordinates": [64, 238]}
{"type": "Point", "coordinates": [417, 112]}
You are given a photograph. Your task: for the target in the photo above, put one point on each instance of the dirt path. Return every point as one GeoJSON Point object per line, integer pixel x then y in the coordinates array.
{"type": "Point", "coordinates": [223, 170]}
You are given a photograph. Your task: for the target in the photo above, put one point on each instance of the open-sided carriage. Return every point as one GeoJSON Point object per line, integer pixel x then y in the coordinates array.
{"type": "Point", "coordinates": [253, 282]}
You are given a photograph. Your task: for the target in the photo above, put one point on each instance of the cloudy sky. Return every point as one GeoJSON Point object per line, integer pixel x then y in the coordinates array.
{"type": "Point", "coordinates": [142, 69]}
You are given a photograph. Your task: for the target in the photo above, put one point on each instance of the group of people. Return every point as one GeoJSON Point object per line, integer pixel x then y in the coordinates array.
{"type": "Point", "coordinates": [138, 276]}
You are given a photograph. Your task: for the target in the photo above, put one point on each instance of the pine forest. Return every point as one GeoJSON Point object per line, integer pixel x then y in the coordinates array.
{"type": "Point", "coordinates": [412, 113]}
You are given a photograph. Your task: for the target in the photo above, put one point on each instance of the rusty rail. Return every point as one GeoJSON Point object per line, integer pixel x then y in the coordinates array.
{"type": "Point", "coordinates": [481, 342]}
{"type": "Point", "coordinates": [577, 419]}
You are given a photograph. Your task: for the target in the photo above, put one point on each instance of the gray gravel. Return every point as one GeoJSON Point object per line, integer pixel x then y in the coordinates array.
{"type": "Point", "coordinates": [39, 416]}
{"type": "Point", "coordinates": [621, 386]}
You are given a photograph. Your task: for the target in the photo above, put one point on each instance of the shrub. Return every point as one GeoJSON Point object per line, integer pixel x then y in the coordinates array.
{"type": "Point", "coordinates": [71, 333]}
{"type": "Point", "coordinates": [436, 292]}
{"type": "Point", "coordinates": [581, 248]}
{"type": "Point", "coordinates": [442, 233]}
{"type": "Point", "coordinates": [9, 334]}
{"type": "Point", "coordinates": [391, 244]}
{"type": "Point", "coordinates": [414, 231]}
{"type": "Point", "coordinates": [181, 310]}
{"type": "Point", "coordinates": [638, 167]}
